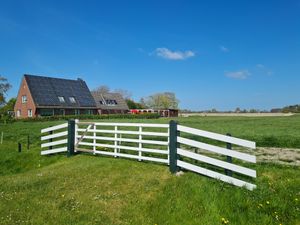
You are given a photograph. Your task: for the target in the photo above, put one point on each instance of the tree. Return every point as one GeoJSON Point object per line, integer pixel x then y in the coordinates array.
{"type": "Point", "coordinates": [166, 100]}
{"type": "Point", "coordinates": [214, 110]}
{"type": "Point", "coordinates": [237, 110]}
{"type": "Point", "coordinates": [143, 103]}
{"type": "Point", "coordinates": [7, 109]}
{"type": "Point", "coordinates": [124, 93]}
{"type": "Point", "coordinates": [4, 87]}
{"type": "Point", "coordinates": [134, 105]}
{"type": "Point", "coordinates": [102, 89]}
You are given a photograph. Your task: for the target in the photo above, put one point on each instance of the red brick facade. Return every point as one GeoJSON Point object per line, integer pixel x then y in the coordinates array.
{"type": "Point", "coordinates": [21, 109]}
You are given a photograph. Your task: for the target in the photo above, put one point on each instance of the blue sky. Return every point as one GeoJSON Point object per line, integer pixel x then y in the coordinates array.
{"type": "Point", "coordinates": [212, 54]}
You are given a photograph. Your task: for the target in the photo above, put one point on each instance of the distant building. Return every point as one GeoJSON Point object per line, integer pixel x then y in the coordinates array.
{"type": "Point", "coordinates": [110, 103]}
{"type": "Point", "coordinates": [47, 96]}
{"type": "Point", "coordinates": [161, 112]}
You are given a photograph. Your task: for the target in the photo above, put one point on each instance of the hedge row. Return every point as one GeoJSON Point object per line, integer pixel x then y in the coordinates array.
{"type": "Point", "coordinates": [90, 117]}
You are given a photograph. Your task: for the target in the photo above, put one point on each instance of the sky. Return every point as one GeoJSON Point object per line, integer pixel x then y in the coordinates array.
{"type": "Point", "coordinates": [212, 54]}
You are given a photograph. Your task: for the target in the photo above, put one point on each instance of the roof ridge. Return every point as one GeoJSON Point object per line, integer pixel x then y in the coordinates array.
{"type": "Point", "coordinates": [54, 78]}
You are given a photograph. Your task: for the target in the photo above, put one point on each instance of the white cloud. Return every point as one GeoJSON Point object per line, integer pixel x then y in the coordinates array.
{"type": "Point", "coordinates": [173, 55]}
{"type": "Point", "coordinates": [260, 66]}
{"type": "Point", "coordinates": [241, 75]}
{"type": "Point", "coordinates": [224, 49]}
{"type": "Point", "coordinates": [263, 69]}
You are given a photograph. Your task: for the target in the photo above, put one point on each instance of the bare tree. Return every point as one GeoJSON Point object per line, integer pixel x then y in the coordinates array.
{"type": "Point", "coordinates": [4, 87]}
{"type": "Point", "coordinates": [102, 89]}
{"type": "Point", "coordinates": [125, 93]}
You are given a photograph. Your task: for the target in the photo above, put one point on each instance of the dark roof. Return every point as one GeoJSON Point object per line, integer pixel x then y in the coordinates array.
{"type": "Point", "coordinates": [46, 90]}
{"type": "Point", "coordinates": [104, 98]}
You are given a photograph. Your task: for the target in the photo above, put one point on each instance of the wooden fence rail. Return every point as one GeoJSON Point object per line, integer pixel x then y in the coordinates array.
{"type": "Point", "coordinates": [170, 144]}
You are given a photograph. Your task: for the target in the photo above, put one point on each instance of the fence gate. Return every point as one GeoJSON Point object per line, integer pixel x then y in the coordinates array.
{"type": "Point", "coordinates": [178, 146]}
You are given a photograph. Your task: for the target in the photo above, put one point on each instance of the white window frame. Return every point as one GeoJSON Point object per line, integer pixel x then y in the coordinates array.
{"type": "Point", "coordinates": [19, 113]}
{"type": "Point", "coordinates": [24, 99]}
{"type": "Point", "coordinates": [61, 99]}
{"type": "Point", "coordinates": [29, 112]}
{"type": "Point", "coordinates": [72, 99]}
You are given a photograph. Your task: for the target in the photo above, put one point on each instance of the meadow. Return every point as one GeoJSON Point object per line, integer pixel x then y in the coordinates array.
{"type": "Point", "coordinates": [87, 189]}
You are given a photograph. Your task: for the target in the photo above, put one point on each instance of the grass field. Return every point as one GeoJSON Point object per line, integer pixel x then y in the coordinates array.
{"type": "Point", "coordinates": [87, 189]}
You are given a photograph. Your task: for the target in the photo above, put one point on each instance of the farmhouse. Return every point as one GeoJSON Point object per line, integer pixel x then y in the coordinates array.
{"type": "Point", "coordinates": [47, 96]}
{"type": "Point", "coordinates": [110, 103]}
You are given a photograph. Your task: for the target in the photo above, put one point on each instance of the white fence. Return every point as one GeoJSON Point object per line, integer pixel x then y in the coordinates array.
{"type": "Point", "coordinates": [51, 139]}
{"type": "Point", "coordinates": [155, 142]}
{"type": "Point", "coordinates": [124, 140]}
{"type": "Point", "coordinates": [213, 161]}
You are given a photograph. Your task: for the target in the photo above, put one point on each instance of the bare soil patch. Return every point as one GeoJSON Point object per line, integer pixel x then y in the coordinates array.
{"type": "Point", "coordinates": [287, 156]}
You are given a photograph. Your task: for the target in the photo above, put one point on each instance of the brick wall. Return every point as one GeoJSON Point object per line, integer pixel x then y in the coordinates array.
{"type": "Point", "coordinates": [24, 107]}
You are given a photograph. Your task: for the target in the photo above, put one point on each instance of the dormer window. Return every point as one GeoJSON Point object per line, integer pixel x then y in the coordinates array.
{"type": "Point", "coordinates": [72, 99]}
{"type": "Point", "coordinates": [24, 99]}
{"type": "Point", "coordinates": [111, 102]}
{"type": "Point", "coordinates": [61, 99]}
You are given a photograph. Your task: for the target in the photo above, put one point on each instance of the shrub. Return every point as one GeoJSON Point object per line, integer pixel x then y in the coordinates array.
{"type": "Point", "coordinates": [92, 117]}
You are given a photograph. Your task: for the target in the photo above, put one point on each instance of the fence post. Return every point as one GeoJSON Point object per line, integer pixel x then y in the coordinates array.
{"type": "Point", "coordinates": [50, 140]}
{"type": "Point", "coordinates": [173, 146]}
{"type": "Point", "coordinates": [71, 137]}
{"type": "Point", "coordinates": [228, 158]}
{"type": "Point", "coordinates": [19, 147]}
{"type": "Point", "coordinates": [28, 142]}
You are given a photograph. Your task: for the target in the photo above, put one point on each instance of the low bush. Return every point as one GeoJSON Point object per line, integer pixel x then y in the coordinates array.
{"type": "Point", "coordinates": [91, 117]}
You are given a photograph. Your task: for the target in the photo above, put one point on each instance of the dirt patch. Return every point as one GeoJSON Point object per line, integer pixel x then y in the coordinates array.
{"type": "Point", "coordinates": [285, 156]}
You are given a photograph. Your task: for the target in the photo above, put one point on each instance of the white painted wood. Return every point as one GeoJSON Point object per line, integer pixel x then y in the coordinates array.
{"type": "Point", "coordinates": [217, 162]}
{"type": "Point", "coordinates": [52, 151]}
{"type": "Point", "coordinates": [161, 134]}
{"type": "Point", "coordinates": [128, 132]}
{"type": "Point", "coordinates": [94, 140]}
{"type": "Point", "coordinates": [57, 127]}
{"type": "Point", "coordinates": [216, 149]}
{"type": "Point", "coordinates": [140, 143]}
{"type": "Point", "coordinates": [132, 156]}
{"type": "Point", "coordinates": [219, 137]}
{"type": "Point", "coordinates": [76, 133]}
{"type": "Point", "coordinates": [128, 124]}
{"type": "Point", "coordinates": [165, 152]}
{"type": "Point", "coordinates": [60, 134]}
{"type": "Point", "coordinates": [64, 141]}
{"type": "Point", "coordinates": [116, 142]}
{"type": "Point", "coordinates": [215, 175]}
{"type": "Point", "coordinates": [83, 135]}
{"type": "Point", "coordinates": [127, 140]}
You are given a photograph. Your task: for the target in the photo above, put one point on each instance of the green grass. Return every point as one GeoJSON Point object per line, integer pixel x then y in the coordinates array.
{"type": "Point", "coordinates": [87, 189]}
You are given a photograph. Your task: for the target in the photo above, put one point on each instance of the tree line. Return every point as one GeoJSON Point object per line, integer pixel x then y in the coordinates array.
{"type": "Point", "coordinates": [161, 100]}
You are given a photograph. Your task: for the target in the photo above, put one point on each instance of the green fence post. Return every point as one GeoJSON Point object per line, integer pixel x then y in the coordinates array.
{"type": "Point", "coordinates": [228, 158]}
{"type": "Point", "coordinates": [71, 137]}
{"type": "Point", "coordinates": [173, 146]}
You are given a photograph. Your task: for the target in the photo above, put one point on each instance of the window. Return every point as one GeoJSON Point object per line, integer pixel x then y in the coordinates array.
{"type": "Point", "coordinates": [18, 113]}
{"type": "Point", "coordinates": [24, 98]}
{"type": "Point", "coordinates": [111, 102]}
{"type": "Point", "coordinates": [61, 99]}
{"type": "Point", "coordinates": [72, 99]}
{"type": "Point", "coordinates": [77, 111]}
{"type": "Point", "coordinates": [46, 112]}
{"type": "Point", "coordinates": [29, 112]}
